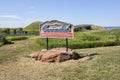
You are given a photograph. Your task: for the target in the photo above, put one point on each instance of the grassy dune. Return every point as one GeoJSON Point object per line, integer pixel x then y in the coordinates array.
{"type": "Point", "coordinates": [34, 26]}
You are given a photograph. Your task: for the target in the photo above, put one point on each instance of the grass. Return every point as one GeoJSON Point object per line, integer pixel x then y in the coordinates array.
{"type": "Point", "coordinates": [14, 38]}
{"type": "Point", "coordinates": [87, 39]}
{"type": "Point", "coordinates": [9, 39]}
{"type": "Point", "coordinates": [33, 26]}
{"type": "Point", "coordinates": [1, 43]}
{"type": "Point", "coordinates": [8, 52]}
{"type": "Point", "coordinates": [105, 65]}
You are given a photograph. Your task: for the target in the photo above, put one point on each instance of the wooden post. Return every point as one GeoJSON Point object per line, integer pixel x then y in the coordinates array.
{"type": "Point", "coordinates": [47, 43]}
{"type": "Point", "coordinates": [66, 44]}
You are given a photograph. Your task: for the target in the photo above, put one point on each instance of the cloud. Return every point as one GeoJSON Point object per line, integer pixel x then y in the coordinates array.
{"type": "Point", "coordinates": [10, 16]}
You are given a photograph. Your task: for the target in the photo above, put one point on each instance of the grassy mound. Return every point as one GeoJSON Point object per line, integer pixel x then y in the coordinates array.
{"type": "Point", "coordinates": [96, 27]}
{"type": "Point", "coordinates": [87, 27]}
{"type": "Point", "coordinates": [33, 26]}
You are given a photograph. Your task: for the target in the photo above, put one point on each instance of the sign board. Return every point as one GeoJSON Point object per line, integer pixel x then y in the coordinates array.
{"type": "Point", "coordinates": [56, 29]}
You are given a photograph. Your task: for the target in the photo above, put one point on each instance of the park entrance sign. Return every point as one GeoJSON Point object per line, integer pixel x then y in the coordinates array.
{"type": "Point", "coordinates": [56, 29]}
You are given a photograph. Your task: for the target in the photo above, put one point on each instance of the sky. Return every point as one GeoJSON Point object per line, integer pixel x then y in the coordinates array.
{"type": "Point", "coordinates": [20, 13]}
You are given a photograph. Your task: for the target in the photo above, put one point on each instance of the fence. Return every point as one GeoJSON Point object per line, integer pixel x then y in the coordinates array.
{"type": "Point", "coordinates": [3, 36]}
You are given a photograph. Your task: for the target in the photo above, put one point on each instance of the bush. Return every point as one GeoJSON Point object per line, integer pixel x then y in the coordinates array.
{"type": "Point", "coordinates": [1, 43]}
{"type": "Point", "coordinates": [5, 42]}
{"type": "Point", "coordinates": [14, 38]}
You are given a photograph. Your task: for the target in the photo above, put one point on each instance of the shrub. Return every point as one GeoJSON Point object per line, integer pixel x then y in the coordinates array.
{"type": "Point", "coordinates": [5, 42]}
{"type": "Point", "coordinates": [14, 38]}
{"type": "Point", "coordinates": [1, 43]}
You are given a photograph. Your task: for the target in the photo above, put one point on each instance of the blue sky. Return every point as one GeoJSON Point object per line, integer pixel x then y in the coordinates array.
{"type": "Point", "coordinates": [19, 13]}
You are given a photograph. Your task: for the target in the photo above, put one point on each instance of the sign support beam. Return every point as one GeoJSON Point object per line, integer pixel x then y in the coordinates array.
{"type": "Point", "coordinates": [66, 44]}
{"type": "Point", "coordinates": [47, 43]}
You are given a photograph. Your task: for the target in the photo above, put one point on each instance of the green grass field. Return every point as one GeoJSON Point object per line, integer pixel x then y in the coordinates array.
{"type": "Point", "coordinates": [84, 39]}
{"type": "Point", "coordinates": [104, 65]}
{"type": "Point", "coordinates": [20, 47]}
{"type": "Point", "coordinates": [87, 39]}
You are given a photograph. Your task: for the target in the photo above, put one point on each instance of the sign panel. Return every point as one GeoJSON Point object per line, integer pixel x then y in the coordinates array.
{"type": "Point", "coordinates": [56, 29]}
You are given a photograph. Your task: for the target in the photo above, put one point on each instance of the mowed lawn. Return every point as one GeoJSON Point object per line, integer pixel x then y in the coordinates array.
{"type": "Point", "coordinates": [104, 65]}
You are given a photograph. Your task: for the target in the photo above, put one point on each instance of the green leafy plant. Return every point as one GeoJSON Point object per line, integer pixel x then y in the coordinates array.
{"type": "Point", "coordinates": [14, 38]}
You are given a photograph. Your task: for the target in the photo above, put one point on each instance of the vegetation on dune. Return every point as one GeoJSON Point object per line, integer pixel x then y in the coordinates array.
{"type": "Point", "coordinates": [34, 26]}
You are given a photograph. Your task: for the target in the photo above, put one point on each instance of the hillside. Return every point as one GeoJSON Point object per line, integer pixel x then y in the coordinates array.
{"type": "Point", "coordinates": [88, 27]}
{"type": "Point", "coordinates": [96, 27]}
{"type": "Point", "coordinates": [34, 26]}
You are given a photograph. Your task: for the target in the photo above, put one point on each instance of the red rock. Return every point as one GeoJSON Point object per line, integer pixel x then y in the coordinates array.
{"type": "Point", "coordinates": [34, 55]}
{"type": "Point", "coordinates": [53, 55]}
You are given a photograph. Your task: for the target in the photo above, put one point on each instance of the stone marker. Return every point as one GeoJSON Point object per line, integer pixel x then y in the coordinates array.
{"type": "Point", "coordinates": [54, 55]}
